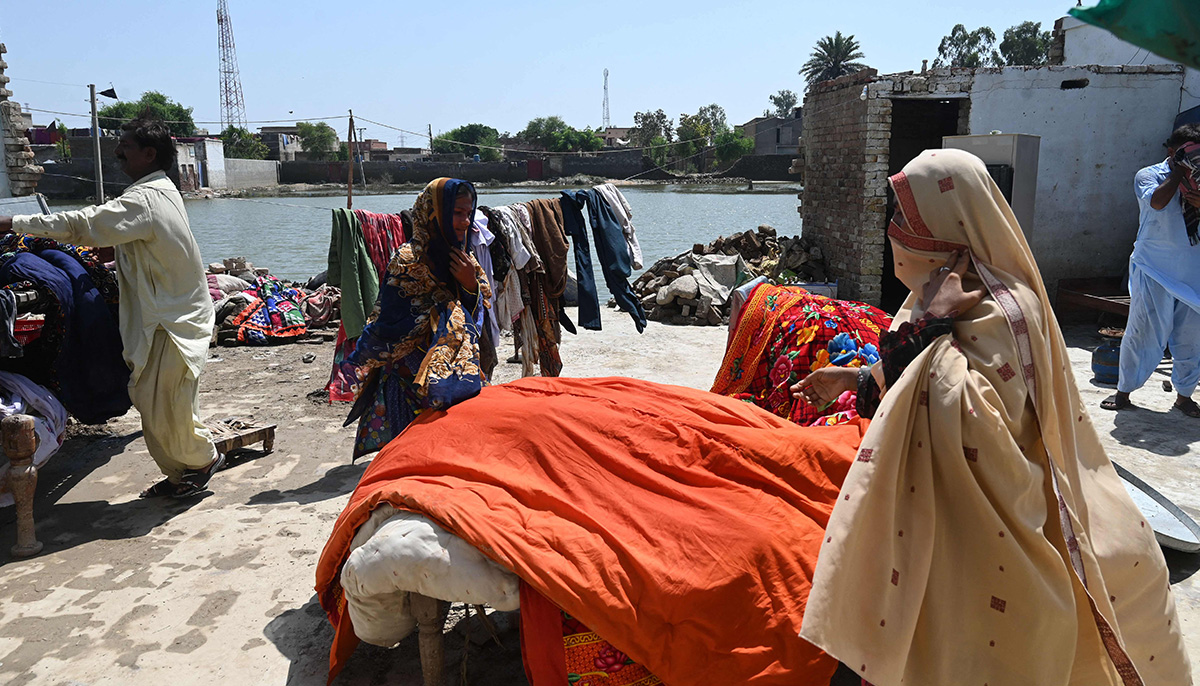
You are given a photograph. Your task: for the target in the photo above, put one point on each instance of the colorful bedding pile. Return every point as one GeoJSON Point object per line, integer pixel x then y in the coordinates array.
{"type": "Point", "coordinates": [785, 333]}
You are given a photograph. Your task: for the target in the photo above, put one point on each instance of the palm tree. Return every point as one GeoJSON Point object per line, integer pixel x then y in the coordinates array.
{"type": "Point", "coordinates": [833, 57]}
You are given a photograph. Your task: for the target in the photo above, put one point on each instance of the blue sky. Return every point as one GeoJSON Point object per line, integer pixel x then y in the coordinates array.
{"type": "Point", "coordinates": [447, 64]}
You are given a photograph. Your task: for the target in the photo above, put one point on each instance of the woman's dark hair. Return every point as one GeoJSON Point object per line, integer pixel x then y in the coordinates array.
{"type": "Point", "coordinates": [1188, 133]}
{"type": "Point", "coordinates": [149, 132]}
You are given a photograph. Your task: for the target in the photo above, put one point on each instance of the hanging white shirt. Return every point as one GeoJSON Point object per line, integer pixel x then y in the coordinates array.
{"type": "Point", "coordinates": [159, 270]}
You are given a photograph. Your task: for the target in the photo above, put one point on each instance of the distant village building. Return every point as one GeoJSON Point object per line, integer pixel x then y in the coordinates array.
{"type": "Point", "coordinates": [775, 135]}
{"type": "Point", "coordinates": [283, 142]}
{"type": "Point", "coordinates": [1098, 124]}
{"type": "Point", "coordinates": [615, 136]}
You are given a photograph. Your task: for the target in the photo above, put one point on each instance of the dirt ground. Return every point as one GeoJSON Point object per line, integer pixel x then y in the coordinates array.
{"type": "Point", "coordinates": [149, 592]}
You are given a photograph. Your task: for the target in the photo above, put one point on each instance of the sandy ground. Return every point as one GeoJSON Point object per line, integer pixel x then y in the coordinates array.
{"type": "Point", "coordinates": [137, 592]}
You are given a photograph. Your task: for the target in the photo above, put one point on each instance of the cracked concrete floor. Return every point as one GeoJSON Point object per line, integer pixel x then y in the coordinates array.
{"type": "Point", "coordinates": [136, 592]}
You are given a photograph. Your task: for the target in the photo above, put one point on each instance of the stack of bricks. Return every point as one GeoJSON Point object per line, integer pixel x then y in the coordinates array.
{"type": "Point", "coordinates": [23, 174]}
{"type": "Point", "coordinates": [846, 139]}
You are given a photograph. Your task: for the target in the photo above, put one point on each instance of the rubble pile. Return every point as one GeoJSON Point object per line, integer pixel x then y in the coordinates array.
{"type": "Point", "coordinates": [692, 287]}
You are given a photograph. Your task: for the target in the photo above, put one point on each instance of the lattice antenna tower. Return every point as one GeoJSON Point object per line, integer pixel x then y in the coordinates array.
{"type": "Point", "coordinates": [233, 107]}
{"type": "Point", "coordinates": [607, 121]}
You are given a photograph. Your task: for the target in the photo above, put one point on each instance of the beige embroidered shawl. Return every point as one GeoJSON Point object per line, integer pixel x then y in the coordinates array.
{"type": "Point", "coordinates": [982, 535]}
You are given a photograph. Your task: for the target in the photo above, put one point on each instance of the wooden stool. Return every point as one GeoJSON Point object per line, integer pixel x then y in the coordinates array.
{"type": "Point", "coordinates": [20, 442]}
{"type": "Point", "coordinates": [232, 433]}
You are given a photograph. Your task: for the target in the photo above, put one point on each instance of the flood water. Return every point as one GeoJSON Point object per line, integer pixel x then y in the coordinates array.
{"type": "Point", "coordinates": [291, 235]}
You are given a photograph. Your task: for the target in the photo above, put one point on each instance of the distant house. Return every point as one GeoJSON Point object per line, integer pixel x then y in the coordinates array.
{"type": "Point", "coordinates": [200, 163]}
{"type": "Point", "coordinates": [775, 135]}
{"type": "Point", "coordinates": [615, 136]}
{"type": "Point", "coordinates": [283, 142]}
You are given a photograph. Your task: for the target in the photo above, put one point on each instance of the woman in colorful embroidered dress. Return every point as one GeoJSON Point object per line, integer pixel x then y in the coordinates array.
{"type": "Point", "coordinates": [982, 535]}
{"type": "Point", "coordinates": [421, 351]}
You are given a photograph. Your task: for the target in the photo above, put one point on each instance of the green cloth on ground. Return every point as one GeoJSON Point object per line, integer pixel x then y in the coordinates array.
{"type": "Point", "coordinates": [1168, 28]}
{"type": "Point", "coordinates": [351, 269]}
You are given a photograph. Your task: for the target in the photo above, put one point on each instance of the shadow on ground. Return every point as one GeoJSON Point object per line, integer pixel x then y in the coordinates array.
{"type": "Point", "coordinates": [336, 482]}
{"type": "Point", "coordinates": [1170, 434]}
{"type": "Point", "coordinates": [1181, 565]}
{"type": "Point", "coordinates": [62, 526]}
{"type": "Point", "coordinates": [304, 636]}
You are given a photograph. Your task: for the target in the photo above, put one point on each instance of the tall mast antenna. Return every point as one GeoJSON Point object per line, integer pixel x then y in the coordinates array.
{"type": "Point", "coordinates": [233, 107]}
{"type": "Point", "coordinates": [607, 121]}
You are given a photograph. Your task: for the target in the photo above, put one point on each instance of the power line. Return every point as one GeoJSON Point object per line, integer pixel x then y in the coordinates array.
{"type": "Point", "coordinates": [172, 121]}
{"type": "Point", "coordinates": [52, 83]}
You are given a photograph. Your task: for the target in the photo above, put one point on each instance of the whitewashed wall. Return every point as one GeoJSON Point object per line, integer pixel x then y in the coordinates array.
{"type": "Point", "coordinates": [1086, 44]}
{"type": "Point", "coordinates": [1094, 139]}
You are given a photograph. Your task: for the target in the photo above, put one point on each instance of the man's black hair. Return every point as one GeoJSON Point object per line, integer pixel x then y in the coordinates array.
{"type": "Point", "coordinates": [150, 132]}
{"type": "Point", "coordinates": [1188, 133]}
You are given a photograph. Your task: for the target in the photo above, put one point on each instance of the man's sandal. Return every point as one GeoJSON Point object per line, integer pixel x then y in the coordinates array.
{"type": "Point", "coordinates": [166, 489]}
{"type": "Point", "coordinates": [1188, 407]}
{"type": "Point", "coordinates": [1116, 402]}
{"type": "Point", "coordinates": [192, 483]}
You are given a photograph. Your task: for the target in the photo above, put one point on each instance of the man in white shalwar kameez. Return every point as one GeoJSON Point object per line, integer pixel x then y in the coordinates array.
{"type": "Point", "coordinates": [166, 314]}
{"type": "Point", "coordinates": [1164, 284]}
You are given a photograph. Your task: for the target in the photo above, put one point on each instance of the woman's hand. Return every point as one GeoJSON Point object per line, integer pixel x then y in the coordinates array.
{"type": "Point", "coordinates": [825, 385]}
{"type": "Point", "coordinates": [944, 295]}
{"type": "Point", "coordinates": [463, 270]}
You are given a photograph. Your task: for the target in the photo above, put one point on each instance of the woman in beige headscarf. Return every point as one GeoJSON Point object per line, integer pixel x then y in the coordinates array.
{"type": "Point", "coordinates": [982, 536]}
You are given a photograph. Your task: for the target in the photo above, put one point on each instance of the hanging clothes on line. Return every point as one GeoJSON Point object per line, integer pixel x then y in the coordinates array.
{"type": "Point", "coordinates": [546, 287]}
{"type": "Point", "coordinates": [361, 245]}
{"type": "Point", "coordinates": [479, 242]}
{"type": "Point", "coordinates": [612, 250]}
{"type": "Point", "coordinates": [623, 212]}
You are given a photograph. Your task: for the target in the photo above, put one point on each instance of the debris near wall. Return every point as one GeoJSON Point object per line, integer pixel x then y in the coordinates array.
{"type": "Point", "coordinates": [693, 288]}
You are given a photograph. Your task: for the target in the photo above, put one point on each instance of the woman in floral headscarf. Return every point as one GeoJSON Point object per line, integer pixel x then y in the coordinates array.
{"type": "Point", "coordinates": [421, 351]}
{"type": "Point", "coordinates": [982, 534]}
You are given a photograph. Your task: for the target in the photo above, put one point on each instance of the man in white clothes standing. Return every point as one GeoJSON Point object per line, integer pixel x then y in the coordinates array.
{"type": "Point", "coordinates": [166, 314]}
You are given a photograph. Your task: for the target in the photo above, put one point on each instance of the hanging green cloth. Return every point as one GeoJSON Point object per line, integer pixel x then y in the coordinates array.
{"type": "Point", "coordinates": [351, 269]}
{"type": "Point", "coordinates": [1168, 28]}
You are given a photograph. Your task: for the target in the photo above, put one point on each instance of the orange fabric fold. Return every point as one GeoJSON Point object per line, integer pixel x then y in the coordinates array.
{"type": "Point", "coordinates": [681, 526]}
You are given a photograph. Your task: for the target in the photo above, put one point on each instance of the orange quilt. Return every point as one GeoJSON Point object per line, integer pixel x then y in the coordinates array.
{"type": "Point", "coordinates": [680, 525]}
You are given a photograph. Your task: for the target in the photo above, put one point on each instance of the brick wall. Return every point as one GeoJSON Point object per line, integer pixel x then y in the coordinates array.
{"type": "Point", "coordinates": [845, 181]}
{"type": "Point", "coordinates": [22, 172]}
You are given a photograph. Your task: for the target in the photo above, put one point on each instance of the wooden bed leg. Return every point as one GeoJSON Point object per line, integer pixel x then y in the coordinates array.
{"type": "Point", "coordinates": [428, 612]}
{"type": "Point", "coordinates": [20, 443]}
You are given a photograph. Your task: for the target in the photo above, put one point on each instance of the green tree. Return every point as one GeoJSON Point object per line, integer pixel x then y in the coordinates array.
{"type": "Point", "coordinates": [241, 144]}
{"type": "Point", "coordinates": [1025, 44]}
{"type": "Point", "coordinates": [542, 131]}
{"type": "Point", "coordinates": [574, 140]}
{"type": "Point", "coordinates": [832, 57]}
{"type": "Point", "coordinates": [658, 150]}
{"type": "Point", "coordinates": [63, 147]}
{"type": "Point", "coordinates": [730, 145]}
{"type": "Point", "coordinates": [343, 152]}
{"type": "Point", "coordinates": [971, 49]}
{"type": "Point", "coordinates": [650, 125]}
{"type": "Point", "coordinates": [469, 140]}
{"type": "Point", "coordinates": [319, 140]}
{"type": "Point", "coordinates": [784, 102]}
{"type": "Point", "coordinates": [153, 104]}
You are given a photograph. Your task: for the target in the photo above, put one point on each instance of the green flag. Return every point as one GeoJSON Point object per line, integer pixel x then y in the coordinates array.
{"type": "Point", "coordinates": [1168, 28]}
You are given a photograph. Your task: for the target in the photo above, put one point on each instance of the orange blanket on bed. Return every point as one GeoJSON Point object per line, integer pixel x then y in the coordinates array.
{"type": "Point", "coordinates": [680, 525]}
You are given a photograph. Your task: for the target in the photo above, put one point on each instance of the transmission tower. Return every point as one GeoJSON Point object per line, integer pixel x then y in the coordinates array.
{"type": "Point", "coordinates": [233, 107]}
{"type": "Point", "coordinates": [607, 121]}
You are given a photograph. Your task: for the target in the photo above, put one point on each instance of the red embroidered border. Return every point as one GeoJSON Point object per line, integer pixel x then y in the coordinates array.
{"type": "Point", "coordinates": [912, 242]}
{"type": "Point", "coordinates": [908, 204]}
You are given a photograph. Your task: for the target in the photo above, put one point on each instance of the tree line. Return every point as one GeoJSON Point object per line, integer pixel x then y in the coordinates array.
{"type": "Point", "coordinates": [1025, 44]}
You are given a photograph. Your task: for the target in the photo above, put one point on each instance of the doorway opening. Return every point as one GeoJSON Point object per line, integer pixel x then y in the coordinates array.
{"type": "Point", "coordinates": [917, 125]}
